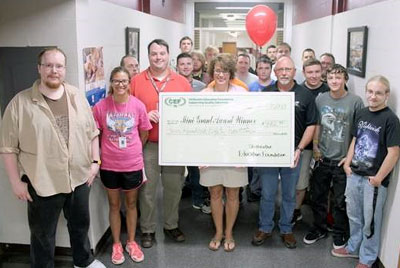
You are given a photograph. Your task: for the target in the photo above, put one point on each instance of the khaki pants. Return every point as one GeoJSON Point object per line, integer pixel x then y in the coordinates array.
{"type": "Point", "coordinates": [172, 179]}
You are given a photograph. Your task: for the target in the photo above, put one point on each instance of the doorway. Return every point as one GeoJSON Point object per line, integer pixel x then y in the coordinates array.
{"type": "Point", "coordinates": [18, 71]}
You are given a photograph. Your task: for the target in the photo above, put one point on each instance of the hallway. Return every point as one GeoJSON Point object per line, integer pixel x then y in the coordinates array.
{"type": "Point", "coordinates": [198, 228]}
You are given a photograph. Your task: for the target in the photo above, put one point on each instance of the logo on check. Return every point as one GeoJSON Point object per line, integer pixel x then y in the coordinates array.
{"type": "Point", "coordinates": [175, 102]}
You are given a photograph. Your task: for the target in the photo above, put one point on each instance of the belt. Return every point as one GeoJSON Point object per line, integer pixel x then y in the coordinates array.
{"type": "Point", "coordinates": [372, 225]}
{"type": "Point", "coordinates": [329, 162]}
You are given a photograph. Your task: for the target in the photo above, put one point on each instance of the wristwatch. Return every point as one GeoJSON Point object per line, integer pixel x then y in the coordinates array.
{"type": "Point", "coordinates": [98, 162]}
{"type": "Point", "coordinates": [300, 149]}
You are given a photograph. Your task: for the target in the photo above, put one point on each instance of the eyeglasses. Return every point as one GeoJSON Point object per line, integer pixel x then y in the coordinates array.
{"type": "Point", "coordinates": [377, 93]}
{"type": "Point", "coordinates": [284, 69]}
{"type": "Point", "coordinates": [218, 72]}
{"type": "Point", "coordinates": [48, 66]}
{"type": "Point", "coordinates": [117, 82]}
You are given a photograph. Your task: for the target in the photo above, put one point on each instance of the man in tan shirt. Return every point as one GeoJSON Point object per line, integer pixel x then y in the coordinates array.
{"type": "Point", "coordinates": [49, 136]}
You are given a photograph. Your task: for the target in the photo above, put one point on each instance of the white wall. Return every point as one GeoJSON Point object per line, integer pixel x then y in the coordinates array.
{"type": "Point", "coordinates": [41, 23]}
{"type": "Point", "coordinates": [101, 23]}
{"type": "Point", "coordinates": [314, 34]}
{"type": "Point", "coordinates": [382, 58]}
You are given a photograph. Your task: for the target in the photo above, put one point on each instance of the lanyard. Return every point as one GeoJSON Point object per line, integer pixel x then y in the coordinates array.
{"type": "Point", "coordinates": [158, 90]}
{"type": "Point", "coordinates": [124, 113]}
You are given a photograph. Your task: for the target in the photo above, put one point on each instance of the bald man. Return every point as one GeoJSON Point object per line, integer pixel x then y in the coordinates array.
{"type": "Point", "coordinates": [305, 121]}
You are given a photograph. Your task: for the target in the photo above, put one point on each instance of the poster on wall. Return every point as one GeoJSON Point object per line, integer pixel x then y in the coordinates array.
{"type": "Point", "coordinates": [95, 83]}
{"type": "Point", "coordinates": [357, 40]}
{"type": "Point", "coordinates": [132, 42]}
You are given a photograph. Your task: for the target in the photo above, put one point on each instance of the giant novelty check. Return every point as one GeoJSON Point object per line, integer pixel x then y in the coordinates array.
{"type": "Point", "coordinates": [226, 129]}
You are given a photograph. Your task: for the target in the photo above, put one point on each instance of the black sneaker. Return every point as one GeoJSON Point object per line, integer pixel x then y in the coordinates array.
{"type": "Point", "coordinates": [338, 242]}
{"type": "Point", "coordinates": [148, 239]}
{"type": "Point", "coordinates": [297, 216]}
{"type": "Point", "coordinates": [175, 234]}
{"type": "Point", "coordinates": [313, 236]}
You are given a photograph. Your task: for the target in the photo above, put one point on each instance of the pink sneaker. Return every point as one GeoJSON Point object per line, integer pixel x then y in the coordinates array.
{"type": "Point", "coordinates": [134, 251]}
{"type": "Point", "coordinates": [117, 255]}
{"type": "Point", "coordinates": [342, 253]}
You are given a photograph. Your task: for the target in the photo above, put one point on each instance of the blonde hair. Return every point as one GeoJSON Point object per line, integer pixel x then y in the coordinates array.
{"type": "Point", "coordinates": [200, 56]}
{"type": "Point", "coordinates": [211, 48]}
{"type": "Point", "coordinates": [383, 80]}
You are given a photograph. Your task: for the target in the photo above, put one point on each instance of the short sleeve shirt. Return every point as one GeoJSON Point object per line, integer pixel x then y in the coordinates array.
{"type": "Point", "coordinates": [257, 87]}
{"type": "Point", "coordinates": [374, 133]}
{"type": "Point", "coordinates": [305, 109]}
{"type": "Point", "coordinates": [317, 91]}
{"type": "Point", "coordinates": [336, 119]}
{"type": "Point", "coordinates": [143, 89]}
{"type": "Point", "coordinates": [121, 123]}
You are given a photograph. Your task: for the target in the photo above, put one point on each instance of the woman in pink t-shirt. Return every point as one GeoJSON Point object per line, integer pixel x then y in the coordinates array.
{"type": "Point", "coordinates": [124, 125]}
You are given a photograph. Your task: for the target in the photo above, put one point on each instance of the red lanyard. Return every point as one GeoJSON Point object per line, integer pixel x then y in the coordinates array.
{"type": "Point", "coordinates": [158, 90]}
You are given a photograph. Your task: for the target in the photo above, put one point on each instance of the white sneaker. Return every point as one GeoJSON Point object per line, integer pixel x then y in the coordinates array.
{"type": "Point", "coordinates": [95, 264]}
{"type": "Point", "coordinates": [206, 209]}
{"type": "Point", "coordinates": [203, 208]}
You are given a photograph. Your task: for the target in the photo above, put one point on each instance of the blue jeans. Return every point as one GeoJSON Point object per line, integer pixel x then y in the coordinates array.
{"type": "Point", "coordinates": [359, 199]}
{"type": "Point", "coordinates": [269, 178]}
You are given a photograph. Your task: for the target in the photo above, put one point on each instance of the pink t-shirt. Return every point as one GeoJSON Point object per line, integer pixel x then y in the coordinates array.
{"type": "Point", "coordinates": [121, 148]}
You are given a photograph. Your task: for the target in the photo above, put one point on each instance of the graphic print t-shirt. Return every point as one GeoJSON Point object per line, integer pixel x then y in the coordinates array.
{"type": "Point", "coordinates": [121, 122]}
{"type": "Point", "coordinates": [336, 117]}
{"type": "Point", "coordinates": [305, 112]}
{"type": "Point", "coordinates": [374, 132]}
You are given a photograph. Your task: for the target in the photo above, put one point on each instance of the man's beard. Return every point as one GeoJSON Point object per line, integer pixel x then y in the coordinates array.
{"type": "Point", "coordinates": [284, 82]}
{"type": "Point", "coordinates": [53, 85]}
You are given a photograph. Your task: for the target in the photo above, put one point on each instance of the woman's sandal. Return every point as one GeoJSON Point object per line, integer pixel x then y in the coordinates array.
{"type": "Point", "coordinates": [214, 244]}
{"type": "Point", "coordinates": [229, 245]}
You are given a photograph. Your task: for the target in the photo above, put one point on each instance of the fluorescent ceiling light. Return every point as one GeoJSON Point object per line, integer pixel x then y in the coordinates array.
{"type": "Point", "coordinates": [234, 8]}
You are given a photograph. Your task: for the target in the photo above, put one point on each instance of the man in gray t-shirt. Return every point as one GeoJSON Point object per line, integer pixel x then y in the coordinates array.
{"type": "Point", "coordinates": [335, 120]}
{"type": "Point", "coordinates": [336, 109]}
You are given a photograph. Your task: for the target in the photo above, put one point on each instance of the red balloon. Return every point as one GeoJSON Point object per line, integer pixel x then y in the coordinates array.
{"type": "Point", "coordinates": [261, 24]}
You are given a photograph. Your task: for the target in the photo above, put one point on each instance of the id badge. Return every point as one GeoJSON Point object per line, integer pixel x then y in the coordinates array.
{"type": "Point", "coordinates": [122, 142]}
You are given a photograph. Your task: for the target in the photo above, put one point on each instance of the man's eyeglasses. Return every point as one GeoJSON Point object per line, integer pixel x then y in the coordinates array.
{"type": "Point", "coordinates": [117, 82]}
{"type": "Point", "coordinates": [284, 69]}
{"type": "Point", "coordinates": [48, 66]}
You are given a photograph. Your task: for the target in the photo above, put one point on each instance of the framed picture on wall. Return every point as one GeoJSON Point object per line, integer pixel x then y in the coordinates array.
{"type": "Point", "coordinates": [357, 39]}
{"type": "Point", "coordinates": [132, 40]}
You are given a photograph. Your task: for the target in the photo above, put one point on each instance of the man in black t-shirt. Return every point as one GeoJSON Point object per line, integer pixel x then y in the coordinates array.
{"type": "Point", "coordinates": [305, 121]}
{"type": "Point", "coordinates": [372, 155]}
{"type": "Point", "coordinates": [312, 71]}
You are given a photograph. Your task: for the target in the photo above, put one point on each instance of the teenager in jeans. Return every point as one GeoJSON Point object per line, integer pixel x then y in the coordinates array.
{"type": "Point", "coordinates": [372, 155]}
{"type": "Point", "coordinates": [123, 122]}
{"type": "Point", "coordinates": [331, 140]}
